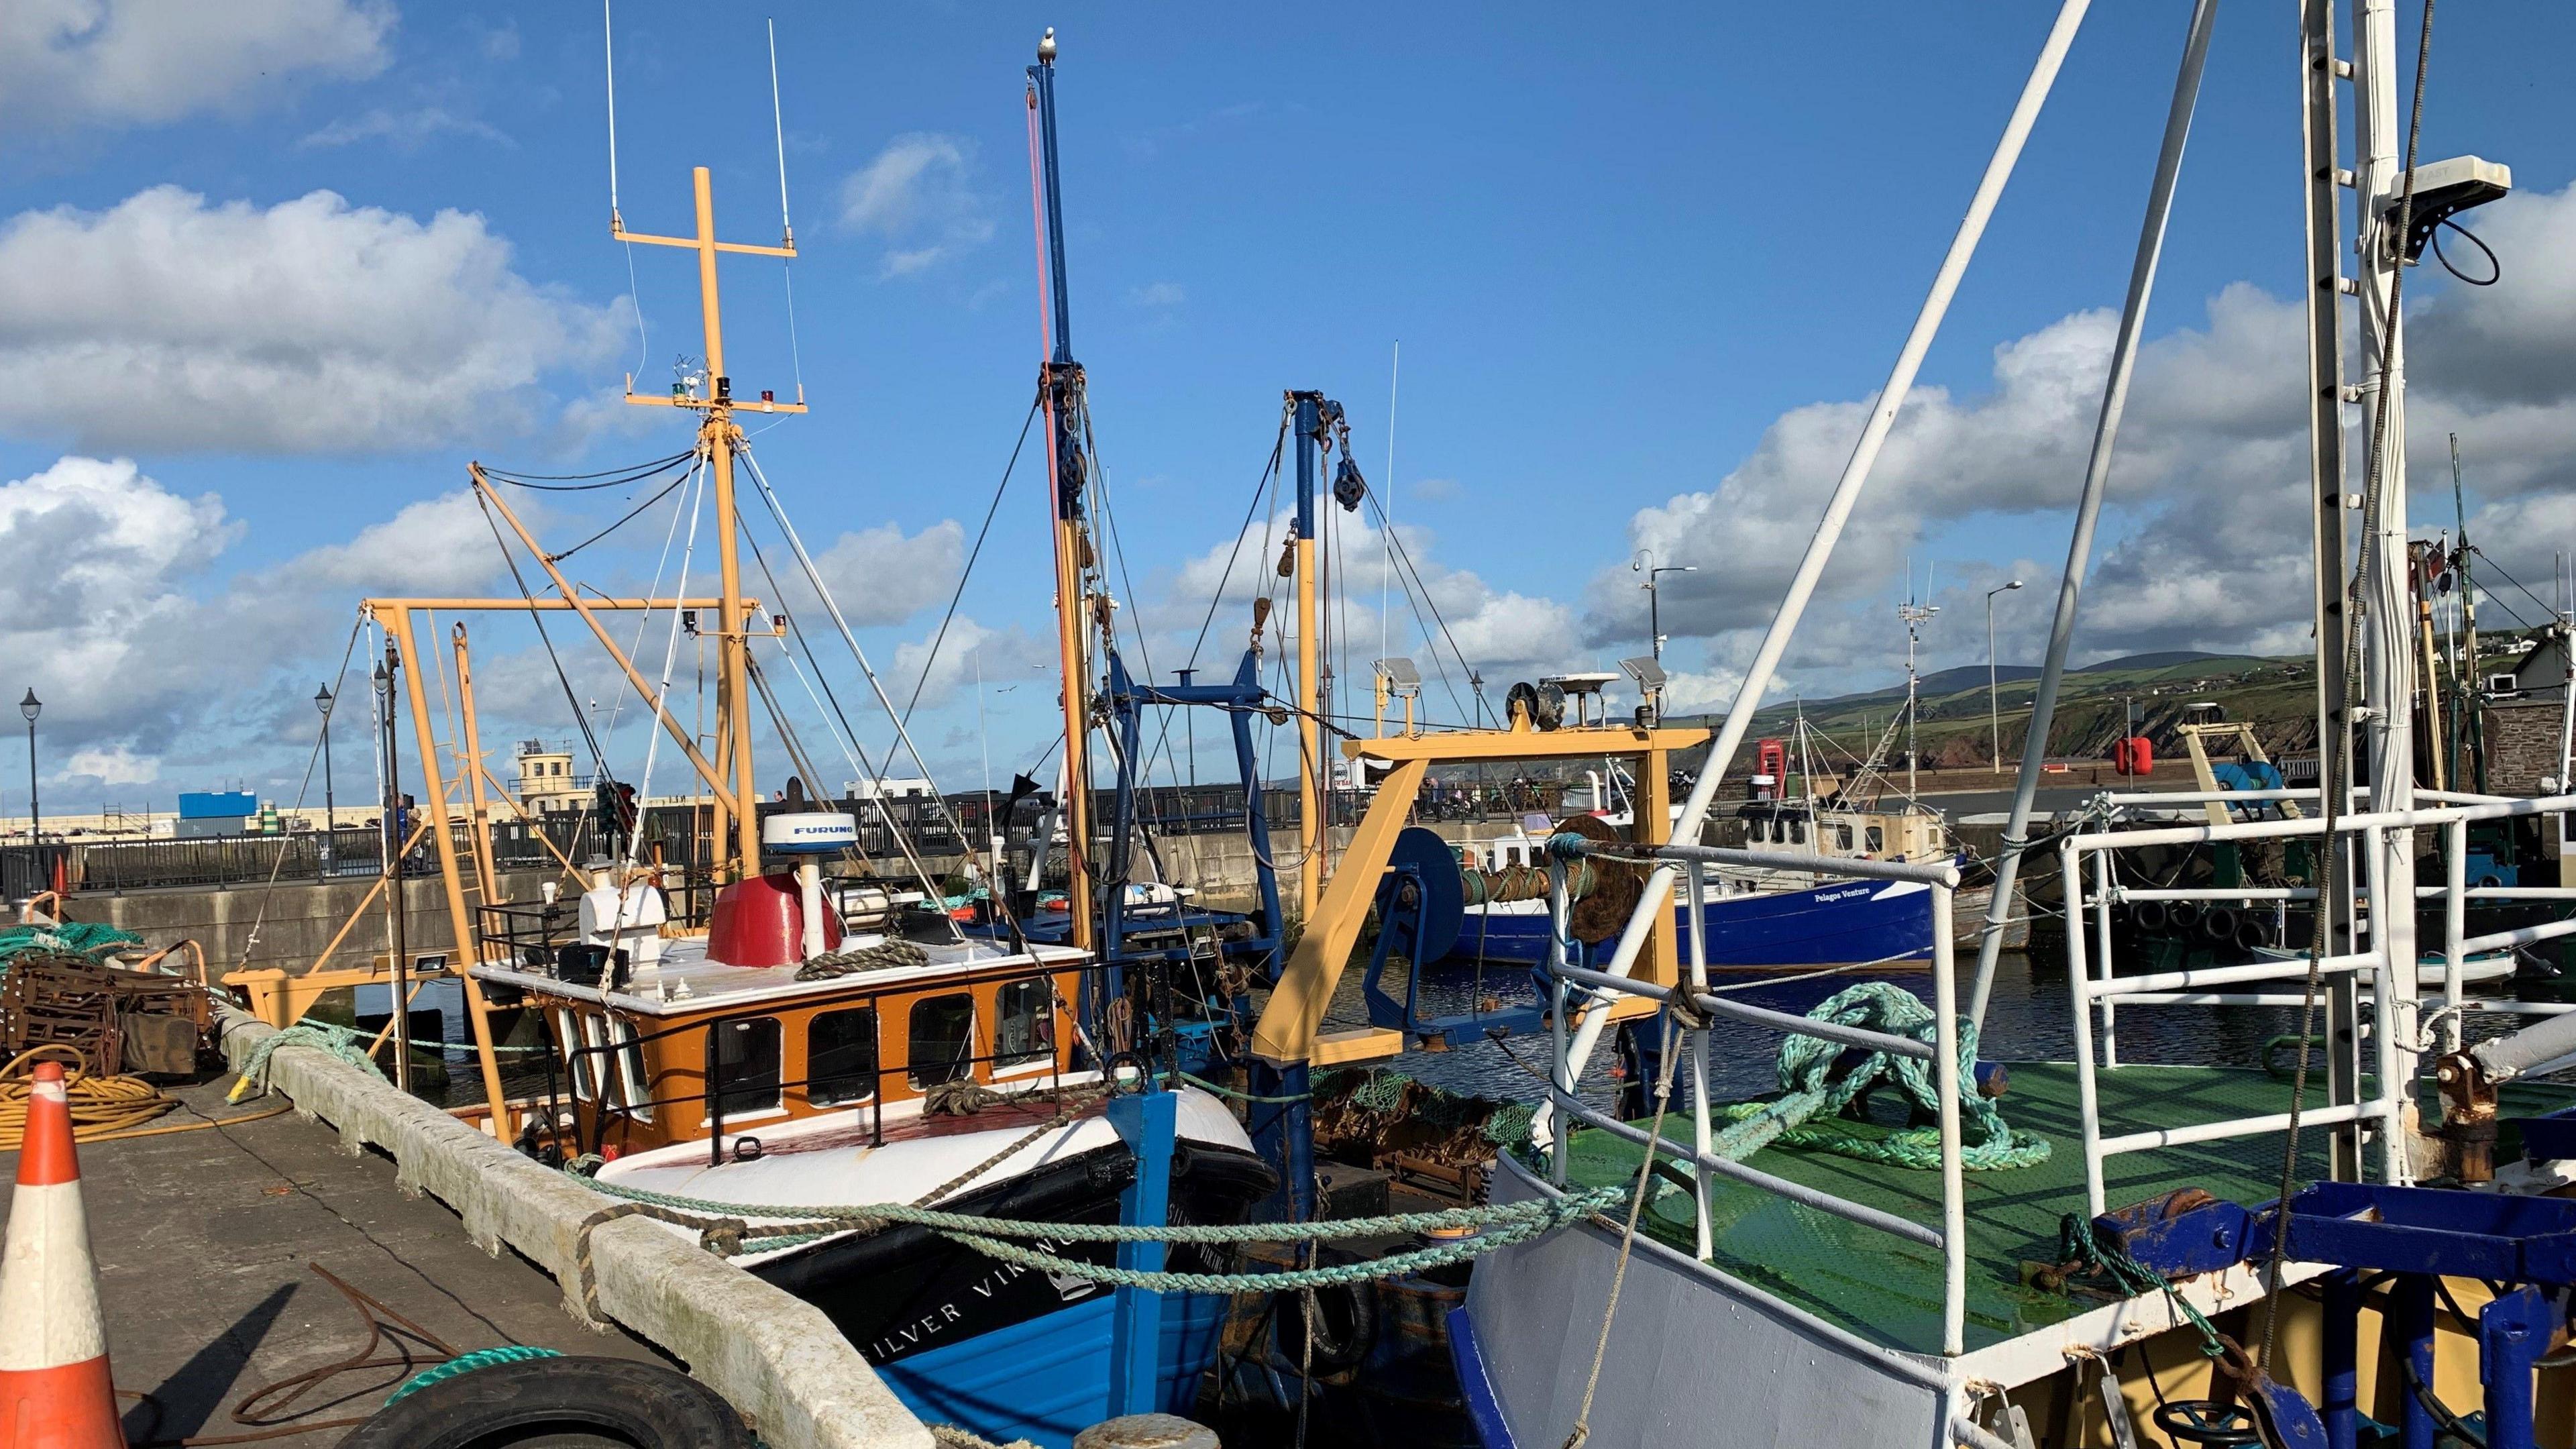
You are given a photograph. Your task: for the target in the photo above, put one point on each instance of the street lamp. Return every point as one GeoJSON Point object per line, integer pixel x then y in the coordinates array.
{"type": "Point", "coordinates": [330, 808]}
{"type": "Point", "coordinates": [1644, 563]}
{"type": "Point", "coordinates": [1994, 713]}
{"type": "Point", "coordinates": [32, 707]}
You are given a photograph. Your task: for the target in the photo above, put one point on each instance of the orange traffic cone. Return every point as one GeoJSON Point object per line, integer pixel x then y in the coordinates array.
{"type": "Point", "coordinates": [54, 1388]}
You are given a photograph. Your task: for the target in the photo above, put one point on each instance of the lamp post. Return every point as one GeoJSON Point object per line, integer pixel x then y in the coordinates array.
{"type": "Point", "coordinates": [32, 707]}
{"type": "Point", "coordinates": [330, 808]}
{"type": "Point", "coordinates": [1644, 563]}
{"type": "Point", "coordinates": [1994, 712]}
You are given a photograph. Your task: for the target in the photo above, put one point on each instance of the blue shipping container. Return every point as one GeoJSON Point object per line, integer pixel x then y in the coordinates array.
{"type": "Point", "coordinates": [217, 804]}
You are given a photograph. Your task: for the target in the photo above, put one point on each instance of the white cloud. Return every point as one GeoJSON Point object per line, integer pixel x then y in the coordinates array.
{"type": "Point", "coordinates": [403, 130]}
{"type": "Point", "coordinates": [496, 42]}
{"type": "Point", "coordinates": [94, 559]}
{"type": "Point", "coordinates": [1157, 294]}
{"type": "Point", "coordinates": [881, 575]}
{"type": "Point", "coordinates": [2206, 541]}
{"type": "Point", "coordinates": [436, 546]}
{"type": "Point", "coordinates": [918, 197]}
{"type": "Point", "coordinates": [1701, 691]}
{"type": "Point", "coordinates": [145, 62]}
{"type": "Point", "coordinates": [170, 323]}
{"type": "Point", "coordinates": [1504, 634]}
{"type": "Point", "coordinates": [1007, 657]}
{"type": "Point", "coordinates": [115, 765]}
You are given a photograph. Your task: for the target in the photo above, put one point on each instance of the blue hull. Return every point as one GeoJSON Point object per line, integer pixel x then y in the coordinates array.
{"type": "Point", "coordinates": [1833, 924]}
{"type": "Point", "coordinates": [1047, 1379]}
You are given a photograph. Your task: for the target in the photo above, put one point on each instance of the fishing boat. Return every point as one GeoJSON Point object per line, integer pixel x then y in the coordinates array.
{"type": "Point", "coordinates": [1921, 1240]}
{"type": "Point", "coordinates": [1755, 916]}
{"type": "Point", "coordinates": [774, 1061]}
{"type": "Point", "coordinates": [788, 1057]}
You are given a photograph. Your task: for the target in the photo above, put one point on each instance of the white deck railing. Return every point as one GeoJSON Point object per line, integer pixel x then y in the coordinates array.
{"type": "Point", "coordinates": [2389, 992]}
{"type": "Point", "coordinates": [1950, 1238]}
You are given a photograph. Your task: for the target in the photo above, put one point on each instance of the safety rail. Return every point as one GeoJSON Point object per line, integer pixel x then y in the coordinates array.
{"type": "Point", "coordinates": [1950, 1238]}
{"type": "Point", "coordinates": [2388, 1009]}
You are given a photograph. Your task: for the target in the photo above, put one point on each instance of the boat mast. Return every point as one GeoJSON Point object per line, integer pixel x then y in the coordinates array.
{"type": "Point", "coordinates": [2388, 674]}
{"type": "Point", "coordinates": [1914, 615]}
{"type": "Point", "coordinates": [1311, 834]}
{"type": "Point", "coordinates": [1060, 388]}
{"type": "Point", "coordinates": [718, 436]}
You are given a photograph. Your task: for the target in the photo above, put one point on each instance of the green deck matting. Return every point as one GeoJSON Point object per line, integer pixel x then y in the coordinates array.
{"type": "Point", "coordinates": [1889, 1290]}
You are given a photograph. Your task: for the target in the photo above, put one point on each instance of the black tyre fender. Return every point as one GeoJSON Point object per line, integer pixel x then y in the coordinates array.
{"type": "Point", "coordinates": [558, 1401]}
{"type": "Point", "coordinates": [1345, 1327]}
{"type": "Point", "coordinates": [2151, 916]}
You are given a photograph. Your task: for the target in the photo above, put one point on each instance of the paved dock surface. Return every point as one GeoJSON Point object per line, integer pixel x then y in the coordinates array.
{"type": "Point", "coordinates": [206, 1245]}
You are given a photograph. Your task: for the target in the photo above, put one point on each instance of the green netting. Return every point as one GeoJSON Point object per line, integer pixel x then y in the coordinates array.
{"type": "Point", "coordinates": [1383, 1092]}
{"type": "Point", "coordinates": [71, 938]}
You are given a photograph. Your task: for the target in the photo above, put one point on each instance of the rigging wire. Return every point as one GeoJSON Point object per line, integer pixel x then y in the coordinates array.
{"type": "Point", "coordinates": [1412, 581]}
{"type": "Point", "coordinates": [1261, 487]}
{"type": "Point", "coordinates": [628, 517]}
{"type": "Point", "coordinates": [670, 655]}
{"type": "Point", "coordinates": [536, 616]}
{"type": "Point", "coordinates": [617, 677]}
{"type": "Point", "coordinates": [634, 293]}
{"type": "Point", "coordinates": [813, 576]}
{"type": "Point", "coordinates": [2517, 583]}
{"type": "Point", "coordinates": [846, 737]}
{"type": "Point", "coordinates": [972, 555]}
{"type": "Point", "coordinates": [629, 473]}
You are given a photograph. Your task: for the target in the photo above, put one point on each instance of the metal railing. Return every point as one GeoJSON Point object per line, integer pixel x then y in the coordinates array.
{"type": "Point", "coordinates": [1950, 1238]}
{"type": "Point", "coordinates": [2394, 992]}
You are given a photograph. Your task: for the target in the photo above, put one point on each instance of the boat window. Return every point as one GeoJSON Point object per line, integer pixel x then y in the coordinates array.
{"type": "Point", "coordinates": [578, 1065]}
{"type": "Point", "coordinates": [1798, 831]}
{"type": "Point", "coordinates": [841, 1056]}
{"type": "Point", "coordinates": [1877, 839]}
{"type": "Point", "coordinates": [942, 1048]}
{"type": "Point", "coordinates": [747, 1064]}
{"type": "Point", "coordinates": [1842, 837]}
{"type": "Point", "coordinates": [1024, 1028]}
{"type": "Point", "coordinates": [630, 1069]}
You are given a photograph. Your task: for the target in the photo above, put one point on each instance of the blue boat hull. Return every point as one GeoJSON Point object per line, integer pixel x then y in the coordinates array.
{"type": "Point", "coordinates": [1833, 924]}
{"type": "Point", "coordinates": [1047, 1378]}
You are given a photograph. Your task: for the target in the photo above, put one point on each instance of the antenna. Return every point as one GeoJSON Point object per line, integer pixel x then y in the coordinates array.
{"type": "Point", "coordinates": [778, 125]}
{"type": "Point", "coordinates": [1386, 496]}
{"type": "Point", "coordinates": [608, 38]}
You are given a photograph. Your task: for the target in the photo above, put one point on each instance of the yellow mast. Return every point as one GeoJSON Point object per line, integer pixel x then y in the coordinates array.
{"type": "Point", "coordinates": [1060, 385]}
{"type": "Point", "coordinates": [470, 764]}
{"type": "Point", "coordinates": [1311, 833]}
{"type": "Point", "coordinates": [718, 436]}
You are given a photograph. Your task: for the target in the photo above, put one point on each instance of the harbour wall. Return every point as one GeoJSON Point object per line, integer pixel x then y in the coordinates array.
{"type": "Point", "coordinates": [287, 925]}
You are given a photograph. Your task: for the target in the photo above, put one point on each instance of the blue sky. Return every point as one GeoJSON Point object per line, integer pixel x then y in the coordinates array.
{"type": "Point", "coordinates": [1644, 272]}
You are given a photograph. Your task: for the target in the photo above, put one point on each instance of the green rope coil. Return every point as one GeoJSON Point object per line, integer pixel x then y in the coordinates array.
{"type": "Point", "coordinates": [339, 1041]}
{"type": "Point", "coordinates": [1802, 1114]}
{"type": "Point", "coordinates": [2078, 1243]}
{"type": "Point", "coordinates": [466, 1363]}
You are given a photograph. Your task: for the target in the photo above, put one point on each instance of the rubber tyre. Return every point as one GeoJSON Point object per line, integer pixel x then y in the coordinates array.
{"type": "Point", "coordinates": [558, 1401]}
{"type": "Point", "coordinates": [1345, 1327]}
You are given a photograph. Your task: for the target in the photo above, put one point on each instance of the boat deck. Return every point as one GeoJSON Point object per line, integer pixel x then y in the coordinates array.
{"type": "Point", "coordinates": [1889, 1291]}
